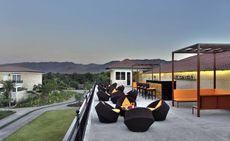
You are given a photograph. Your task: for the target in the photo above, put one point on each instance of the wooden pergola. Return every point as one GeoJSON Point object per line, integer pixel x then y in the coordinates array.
{"type": "Point", "coordinates": [147, 66]}
{"type": "Point", "coordinates": [199, 49]}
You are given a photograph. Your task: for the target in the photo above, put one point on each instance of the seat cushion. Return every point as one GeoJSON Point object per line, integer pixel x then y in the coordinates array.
{"type": "Point", "coordinates": [116, 110]}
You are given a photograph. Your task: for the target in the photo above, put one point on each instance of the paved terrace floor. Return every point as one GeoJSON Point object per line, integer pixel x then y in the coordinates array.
{"type": "Point", "coordinates": [180, 125]}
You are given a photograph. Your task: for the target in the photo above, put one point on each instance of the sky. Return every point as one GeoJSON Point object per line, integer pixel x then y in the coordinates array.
{"type": "Point", "coordinates": [99, 31]}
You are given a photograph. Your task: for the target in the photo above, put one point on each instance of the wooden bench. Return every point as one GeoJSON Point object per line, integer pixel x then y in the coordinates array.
{"type": "Point", "coordinates": [184, 95]}
{"type": "Point", "coordinates": [209, 98]}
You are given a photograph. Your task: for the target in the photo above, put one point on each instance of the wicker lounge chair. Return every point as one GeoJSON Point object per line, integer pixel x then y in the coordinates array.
{"type": "Point", "coordinates": [138, 119]}
{"type": "Point", "coordinates": [102, 96]}
{"type": "Point", "coordinates": [106, 113]}
{"type": "Point", "coordinates": [110, 88]}
{"type": "Point", "coordinates": [121, 88]}
{"type": "Point", "coordinates": [101, 88]}
{"type": "Point", "coordinates": [116, 95]}
{"type": "Point", "coordinates": [159, 109]}
{"type": "Point", "coordinates": [125, 103]}
{"type": "Point", "coordinates": [133, 94]}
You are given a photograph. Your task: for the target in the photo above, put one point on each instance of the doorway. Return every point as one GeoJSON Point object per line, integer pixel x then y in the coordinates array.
{"type": "Point", "coordinates": [128, 79]}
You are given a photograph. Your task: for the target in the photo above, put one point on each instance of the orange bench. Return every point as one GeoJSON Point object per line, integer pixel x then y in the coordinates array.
{"type": "Point", "coordinates": [189, 95]}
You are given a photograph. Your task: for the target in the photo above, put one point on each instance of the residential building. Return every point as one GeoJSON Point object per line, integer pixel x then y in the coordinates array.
{"type": "Point", "coordinates": [127, 71]}
{"type": "Point", "coordinates": [24, 79]}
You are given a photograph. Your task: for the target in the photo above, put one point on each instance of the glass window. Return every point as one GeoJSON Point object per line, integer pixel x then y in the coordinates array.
{"type": "Point", "coordinates": [122, 75]}
{"type": "Point", "coordinates": [16, 78]}
{"type": "Point", "coordinates": [118, 75]}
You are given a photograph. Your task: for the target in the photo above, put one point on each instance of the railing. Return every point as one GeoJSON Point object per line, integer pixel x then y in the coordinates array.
{"type": "Point", "coordinates": [76, 131]}
{"type": "Point", "coordinates": [17, 81]}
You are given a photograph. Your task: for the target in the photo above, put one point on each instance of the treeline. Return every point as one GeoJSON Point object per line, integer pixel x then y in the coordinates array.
{"type": "Point", "coordinates": [75, 80]}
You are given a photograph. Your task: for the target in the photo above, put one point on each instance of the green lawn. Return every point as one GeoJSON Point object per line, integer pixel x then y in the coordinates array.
{"type": "Point", "coordinates": [4, 114]}
{"type": "Point", "coordinates": [50, 126]}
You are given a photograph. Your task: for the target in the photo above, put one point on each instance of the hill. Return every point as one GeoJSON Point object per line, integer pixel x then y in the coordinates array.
{"type": "Point", "coordinates": [70, 67]}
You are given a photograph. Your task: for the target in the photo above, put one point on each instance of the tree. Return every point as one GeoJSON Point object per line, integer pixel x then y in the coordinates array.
{"type": "Point", "coordinates": [8, 86]}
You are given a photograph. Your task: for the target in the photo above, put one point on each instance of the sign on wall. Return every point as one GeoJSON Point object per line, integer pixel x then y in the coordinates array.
{"type": "Point", "coordinates": [185, 77]}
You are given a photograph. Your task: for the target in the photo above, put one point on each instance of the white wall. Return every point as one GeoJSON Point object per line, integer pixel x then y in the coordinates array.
{"type": "Point", "coordinates": [19, 96]}
{"type": "Point", "coordinates": [120, 82]}
{"type": "Point", "coordinates": [31, 79]}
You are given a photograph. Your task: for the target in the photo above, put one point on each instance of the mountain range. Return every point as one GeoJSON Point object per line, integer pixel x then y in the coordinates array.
{"type": "Point", "coordinates": [65, 67]}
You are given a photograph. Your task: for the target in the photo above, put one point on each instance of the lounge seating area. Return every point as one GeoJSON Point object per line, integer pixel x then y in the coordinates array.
{"type": "Point", "coordinates": [179, 121]}
{"type": "Point", "coordinates": [136, 119]}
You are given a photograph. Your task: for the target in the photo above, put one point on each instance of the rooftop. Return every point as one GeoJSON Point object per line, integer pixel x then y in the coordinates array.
{"type": "Point", "coordinates": [189, 64]}
{"type": "Point", "coordinates": [180, 125]}
{"type": "Point", "coordinates": [128, 63]}
{"type": "Point", "coordinates": [17, 69]}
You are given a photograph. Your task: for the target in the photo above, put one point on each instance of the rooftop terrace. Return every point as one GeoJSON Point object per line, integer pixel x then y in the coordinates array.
{"type": "Point", "coordinates": [180, 125]}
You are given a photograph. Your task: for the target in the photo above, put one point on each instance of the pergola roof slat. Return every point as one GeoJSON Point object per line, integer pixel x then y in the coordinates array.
{"type": "Point", "coordinates": [205, 48]}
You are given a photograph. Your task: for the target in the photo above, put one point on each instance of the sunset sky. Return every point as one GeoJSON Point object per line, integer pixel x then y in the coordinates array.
{"type": "Point", "coordinates": [98, 31]}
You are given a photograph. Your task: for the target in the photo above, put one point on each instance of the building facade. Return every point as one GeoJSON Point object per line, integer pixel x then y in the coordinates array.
{"type": "Point", "coordinates": [124, 72]}
{"type": "Point", "coordinates": [24, 80]}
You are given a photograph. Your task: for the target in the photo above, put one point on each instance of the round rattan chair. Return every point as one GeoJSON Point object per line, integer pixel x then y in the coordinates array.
{"type": "Point", "coordinates": [130, 103]}
{"type": "Point", "coordinates": [106, 113]}
{"type": "Point", "coordinates": [102, 96]}
{"type": "Point", "coordinates": [159, 109]}
{"type": "Point", "coordinates": [133, 94]}
{"type": "Point", "coordinates": [115, 96]}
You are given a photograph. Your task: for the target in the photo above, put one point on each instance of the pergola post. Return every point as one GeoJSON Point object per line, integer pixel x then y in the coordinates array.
{"type": "Point", "coordinates": [173, 79]}
{"type": "Point", "coordinates": [159, 72]}
{"type": "Point", "coordinates": [152, 72]}
{"type": "Point", "coordinates": [198, 81]}
{"type": "Point", "coordinates": [132, 77]}
{"type": "Point", "coordinates": [214, 71]}
{"type": "Point", "coordinates": [138, 75]}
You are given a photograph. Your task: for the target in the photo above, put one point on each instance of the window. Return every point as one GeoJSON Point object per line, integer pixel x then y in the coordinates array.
{"type": "Point", "coordinates": [17, 78]}
{"type": "Point", "coordinates": [120, 75]}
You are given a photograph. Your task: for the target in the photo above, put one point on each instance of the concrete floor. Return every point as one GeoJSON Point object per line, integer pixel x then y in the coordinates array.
{"type": "Point", "coordinates": [180, 125]}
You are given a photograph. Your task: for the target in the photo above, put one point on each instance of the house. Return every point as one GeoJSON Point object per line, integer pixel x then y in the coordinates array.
{"type": "Point", "coordinates": [128, 70]}
{"type": "Point", "coordinates": [24, 79]}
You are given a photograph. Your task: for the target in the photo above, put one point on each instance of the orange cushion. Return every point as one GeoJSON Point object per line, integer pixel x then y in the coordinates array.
{"type": "Point", "coordinates": [126, 103]}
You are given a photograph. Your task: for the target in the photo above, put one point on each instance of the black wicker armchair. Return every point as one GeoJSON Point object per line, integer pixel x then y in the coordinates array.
{"type": "Point", "coordinates": [102, 96]}
{"type": "Point", "coordinates": [159, 109]}
{"type": "Point", "coordinates": [138, 119]}
{"type": "Point", "coordinates": [110, 88]}
{"type": "Point", "coordinates": [106, 113]}
{"type": "Point", "coordinates": [101, 88]}
{"type": "Point", "coordinates": [121, 88]}
{"type": "Point", "coordinates": [133, 94]}
{"type": "Point", "coordinates": [125, 103]}
{"type": "Point", "coordinates": [115, 96]}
